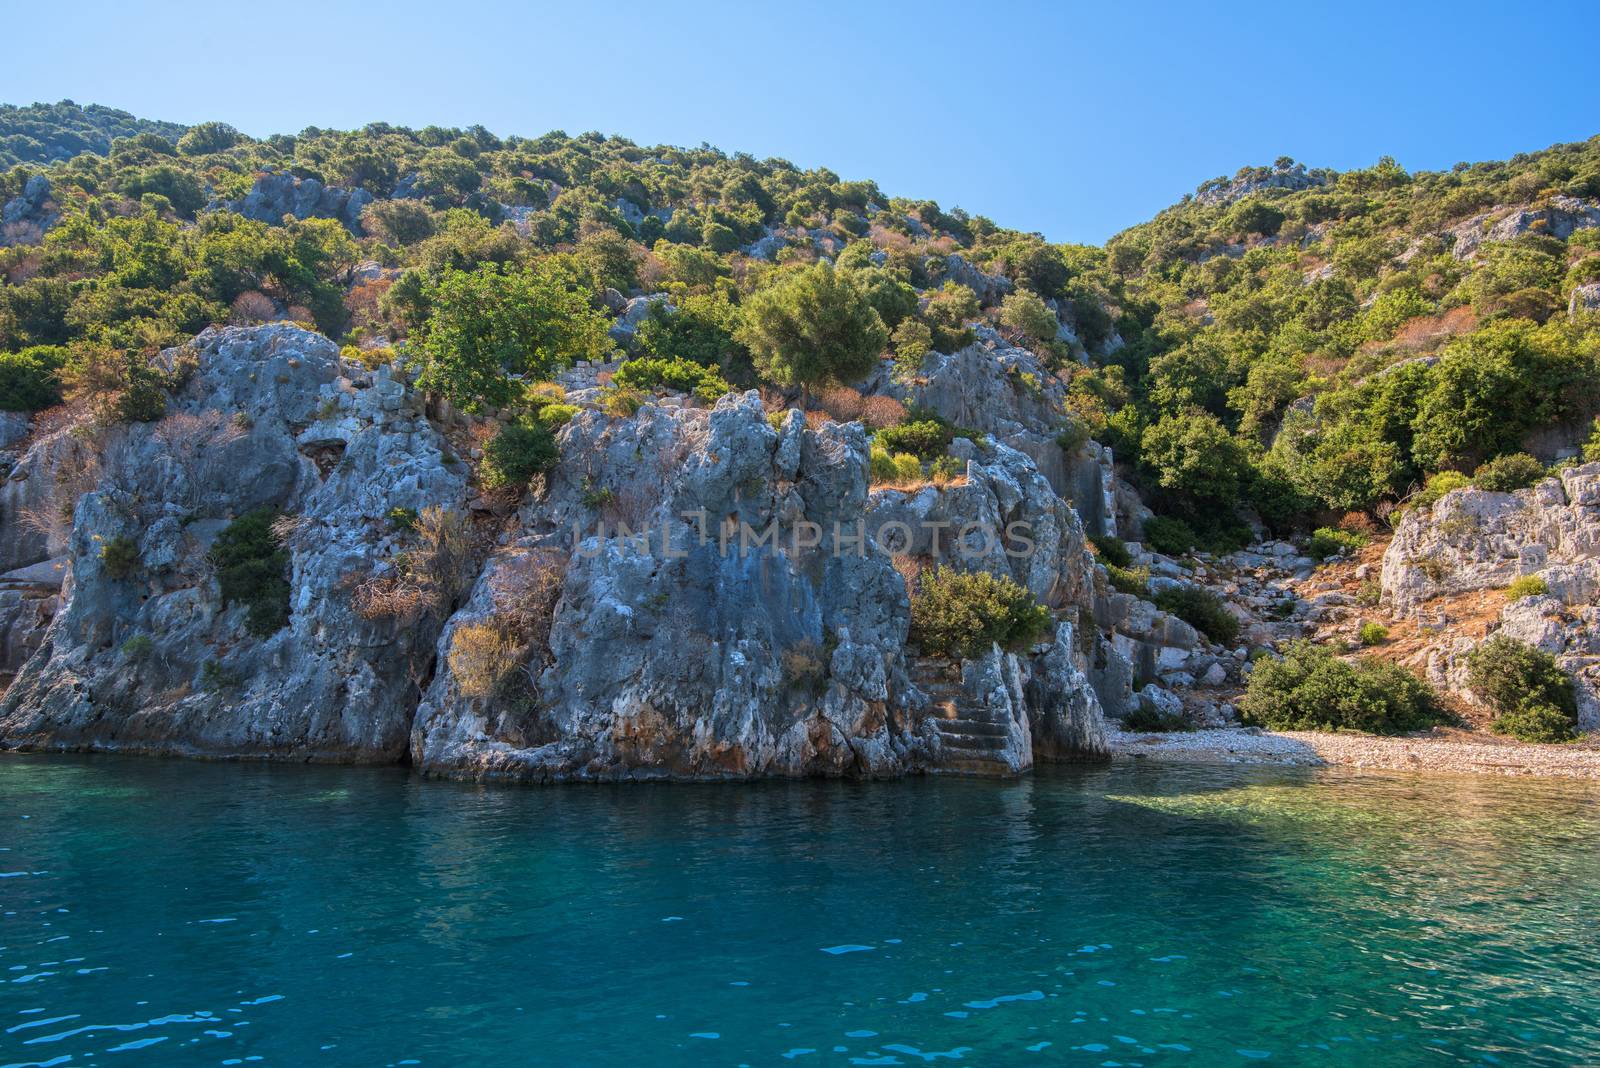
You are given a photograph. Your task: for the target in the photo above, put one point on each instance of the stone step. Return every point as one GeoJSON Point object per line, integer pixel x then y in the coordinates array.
{"type": "Point", "coordinates": [988, 769]}
{"type": "Point", "coordinates": [985, 742]}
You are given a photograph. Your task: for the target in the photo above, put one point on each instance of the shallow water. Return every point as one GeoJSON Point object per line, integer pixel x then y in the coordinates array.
{"type": "Point", "coordinates": [176, 913]}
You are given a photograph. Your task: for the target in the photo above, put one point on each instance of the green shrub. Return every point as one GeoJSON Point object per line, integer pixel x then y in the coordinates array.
{"type": "Point", "coordinates": [252, 569]}
{"type": "Point", "coordinates": [1129, 580]}
{"type": "Point", "coordinates": [1169, 536]}
{"type": "Point", "coordinates": [1535, 723]}
{"type": "Point", "coordinates": [1369, 594]}
{"type": "Point", "coordinates": [1527, 586]}
{"type": "Point", "coordinates": [137, 647]}
{"type": "Point", "coordinates": [621, 403]}
{"type": "Point", "coordinates": [1437, 486]}
{"type": "Point", "coordinates": [1505, 474]}
{"type": "Point", "coordinates": [892, 468]}
{"type": "Point", "coordinates": [962, 613]}
{"type": "Point", "coordinates": [810, 326]}
{"type": "Point", "coordinates": [1072, 437]}
{"type": "Point", "coordinates": [1373, 633]}
{"type": "Point", "coordinates": [402, 519]}
{"type": "Point", "coordinates": [555, 416]}
{"type": "Point", "coordinates": [1202, 610]}
{"type": "Point", "coordinates": [1111, 550]}
{"type": "Point", "coordinates": [926, 439]}
{"type": "Point", "coordinates": [675, 374]}
{"type": "Point", "coordinates": [119, 558]}
{"type": "Point", "coordinates": [1520, 683]}
{"type": "Point", "coordinates": [30, 380]}
{"type": "Point", "coordinates": [1312, 689]}
{"type": "Point", "coordinates": [1146, 718]}
{"type": "Point", "coordinates": [1326, 542]}
{"type": "Point", "coordinates": [518, 452]}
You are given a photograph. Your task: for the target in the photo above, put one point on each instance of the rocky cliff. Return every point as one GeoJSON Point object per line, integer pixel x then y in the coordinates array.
{"type": "Point", "coordinates": [690, 593]}
{"type": "Point", "coordinates": [1473, 540]}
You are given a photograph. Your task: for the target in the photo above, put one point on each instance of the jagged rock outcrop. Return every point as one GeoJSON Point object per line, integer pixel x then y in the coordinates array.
{"type": "Point", "coordinates": [763, 632]}
{"type": "Point", "coordinates": [25, 218]}
{"type": "Point", "coordinates": [1473, 540]}
{"type": "Point", "coordinates": [1560, 218]}
{"type": "Point", "coordinates": [752, 631]}
{"type": "Point", "coordinates": [275, 195]}
{"type": "Point", "coordinates": [1252, 180]}
{"type": "Point", "coordinates": [148, 658]}
{"type": "Point", "coordinates": [1005, 390]}
{"type": "Point", "coordinates": [989, 287]}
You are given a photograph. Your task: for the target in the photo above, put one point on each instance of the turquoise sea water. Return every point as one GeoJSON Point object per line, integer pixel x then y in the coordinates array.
{"type": "Point", "coordinates": [176, 913]}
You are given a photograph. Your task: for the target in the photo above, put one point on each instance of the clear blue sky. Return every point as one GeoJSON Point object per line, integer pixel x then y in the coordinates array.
{"type": "Point", "coordinates": [1075, 120]}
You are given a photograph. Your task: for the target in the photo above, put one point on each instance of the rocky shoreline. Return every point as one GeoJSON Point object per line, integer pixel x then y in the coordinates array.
{"type": "Point", "coordinates": [1449, 752]}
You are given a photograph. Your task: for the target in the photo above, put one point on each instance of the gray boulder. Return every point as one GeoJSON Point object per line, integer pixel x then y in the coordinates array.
{"type": "Point", "coordinates": [276, 195]}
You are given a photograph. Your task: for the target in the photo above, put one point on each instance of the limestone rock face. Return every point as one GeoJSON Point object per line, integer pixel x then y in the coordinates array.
{"type": "Point", "coordinates": [275, 195]}
{"type": "Point", "coordinates": [753, 629]}
{"type": "Point", "coordinates": [1002, 389]}
{"type": "Point", "coordinates": [1559, 219]}
{"type": "Point", "coordinates": [25, 218]}
{"type": "Point", "coordinates": [689, 593]}
{"type": "Point", "coordinates": [1255, 180]}
{"type": "Point", "coordinates": [1476, 540]}
{"type": "Point", "coordinates": [1585, 299]}
{"type": "Point", "coordinates": [1473, 539]}
{"type": "Point", "coordinates": [153, 660]}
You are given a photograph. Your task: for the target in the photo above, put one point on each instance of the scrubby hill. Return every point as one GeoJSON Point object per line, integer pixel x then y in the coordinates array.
{"type": "Point", "coordinates": [530, 336]}
{"type": "Point", "coordinates": [46, 133]}
{"type": "Point", "coordinates": [1320, 340]}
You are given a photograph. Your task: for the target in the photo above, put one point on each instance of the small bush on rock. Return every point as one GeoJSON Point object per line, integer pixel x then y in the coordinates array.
{"type": "Point", "coordinates": [1202, 610]}
{"type": "Point", "coordinates": [893, 469]}
{"type": "Point", "coordinates": [926, 439]}
{"type": "Point", "coordinates": [962, 613]}
{"type": "Point", "coordinates": [1437, 486]}
{"type": "Point", "coordinates": [252, 570]}
{"type": "Point", "coordinates": [1312, 689]}
{"type": "Point", "coordinates": [119, 558]}
{"type": "Point", "coordinates": [482, 657]}
{"type": "Point", "coordinates": [1111, 550]}
{"type": "Point", "coordinates": [1526, 688]}
{"type": "Point", "coordinates": [1373, 633]}
{"type": "Point", "coordinates": [1129, 580]}
{"type": "Point", "coordinates": [517, 453]}
{"type": "Point", "coordinates": [1505, 474]}
{"type": "Point", "coordinates": [1527, 586]}
{"type": "Point", "coordinates": [676, 374]}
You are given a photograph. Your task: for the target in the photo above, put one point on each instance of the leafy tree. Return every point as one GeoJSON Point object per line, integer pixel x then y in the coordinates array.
{"type": "Point", "coordinates": [1025, 313]}
{"type": "Point", "coordinates": [207, 138]}
{"type": "Point", "coordinates": [486, 325]}
{"type": "Point", "coordinates": [1193, 455]}
{"type": "Point", "coordinates": [813, 325]}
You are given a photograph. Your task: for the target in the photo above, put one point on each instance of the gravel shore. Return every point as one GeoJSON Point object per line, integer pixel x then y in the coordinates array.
{"type": "Point", "coordinates": [1457, 752]}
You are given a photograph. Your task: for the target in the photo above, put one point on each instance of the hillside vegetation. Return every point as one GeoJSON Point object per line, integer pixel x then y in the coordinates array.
{"type": "Point", "coordinates": [1283, 345]}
